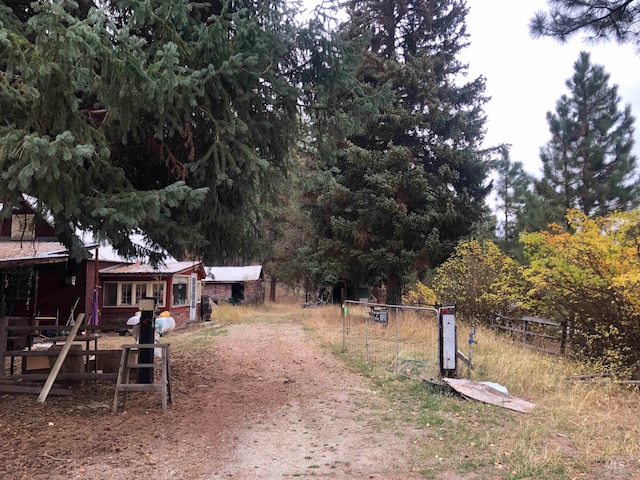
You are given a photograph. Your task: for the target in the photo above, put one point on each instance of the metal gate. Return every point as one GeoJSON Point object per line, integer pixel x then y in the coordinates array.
{"type": "Point", "coordinates": [401, 338]}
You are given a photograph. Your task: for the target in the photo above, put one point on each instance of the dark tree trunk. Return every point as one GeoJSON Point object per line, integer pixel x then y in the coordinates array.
{"type": "Point", "coordinates": [394, 290]}
{"type": "Point", "coordinates": [272, 289]}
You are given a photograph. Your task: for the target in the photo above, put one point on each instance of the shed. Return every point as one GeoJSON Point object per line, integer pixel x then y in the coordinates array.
{"type": "Point", "coordinates": [235, 285]}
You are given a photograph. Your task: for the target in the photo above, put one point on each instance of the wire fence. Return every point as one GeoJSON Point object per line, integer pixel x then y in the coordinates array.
{"type": "Point", "coordinates": [400, 338]}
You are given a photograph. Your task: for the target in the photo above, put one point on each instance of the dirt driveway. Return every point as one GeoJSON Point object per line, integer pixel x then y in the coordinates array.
{"type": "Point", "coordinates": [263, 401]}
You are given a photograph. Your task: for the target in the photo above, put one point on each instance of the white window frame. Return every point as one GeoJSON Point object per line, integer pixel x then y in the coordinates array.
{"type": "Point", "coordinates": [135, 288]}
{"type": "Point", "coordinates": [181, 280]}
{"type": "Point", "coordinates": [151, 293]}
{"type": "Point", "coordinates": [129, 293]}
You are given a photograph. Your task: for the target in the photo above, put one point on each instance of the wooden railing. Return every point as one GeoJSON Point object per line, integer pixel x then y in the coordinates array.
{"type": "Point", "coordinates": [539, 333]}
{"type": "Point", "coordinates": [17, 341]}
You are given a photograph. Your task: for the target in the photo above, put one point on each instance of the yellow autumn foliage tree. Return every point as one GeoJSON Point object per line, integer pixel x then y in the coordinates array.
{"type": "Point", "coordinates": [420, 295]}
{"type": "Point", "coordinates": [589, 275]}
{"type": "Point", "coordinates": [481, 281]}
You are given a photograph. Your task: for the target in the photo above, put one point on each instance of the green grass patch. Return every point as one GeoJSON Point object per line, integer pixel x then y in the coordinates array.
{"type": "Point", "coordinates": [195, 339]}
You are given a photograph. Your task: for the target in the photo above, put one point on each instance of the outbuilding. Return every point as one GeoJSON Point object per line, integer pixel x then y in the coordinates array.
{"type": "Point", "coordinates": [235, 285]}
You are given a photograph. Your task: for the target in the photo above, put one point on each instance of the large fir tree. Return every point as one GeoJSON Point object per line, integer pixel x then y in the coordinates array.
{"type": "Point", "coordinates": [172, 118]}
{"type": "Point", "coordinates": [411, 182]}
{"type": "Point", "coordinates": [588, 163]}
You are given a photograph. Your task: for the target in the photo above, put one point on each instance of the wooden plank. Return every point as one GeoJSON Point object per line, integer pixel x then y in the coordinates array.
{"type": "Point", "coordinates": [45, 353]}
{"type": "Point", "coordinates": [487, 394]}
{"type": "Point", "coordinates": [57, 328]}
{"type": "Point", "coordinates": [530, 319]}
{"type": "Point", "coordinates": [104, 352]}
{"type": "Point", "coordinates": [68, 376]}
{"type": "Point", "coordinates": [465, 359]}
{"type": "Point", "coordinates": [541, 321]}
{"type": "Point", "coordinates": [527, 332]}
{"type": "Point", "coordinates": [140, 387]}
{"type": "Point", "coordinates": [11, 381]}
{"type": "Point", "coordinates": [32, 389]}
{"type": "Point", "coordinates": [63, 354]}
{"type": "Point", "coordinates": [48, 353]}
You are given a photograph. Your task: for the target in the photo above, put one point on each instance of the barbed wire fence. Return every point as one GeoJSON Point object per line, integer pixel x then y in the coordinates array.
{"type": "Point", "coordinates": [402, 339]}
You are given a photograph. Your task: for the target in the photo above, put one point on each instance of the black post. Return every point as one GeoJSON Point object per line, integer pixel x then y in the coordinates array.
{"type": "Point", "coordinates": [147, 330]}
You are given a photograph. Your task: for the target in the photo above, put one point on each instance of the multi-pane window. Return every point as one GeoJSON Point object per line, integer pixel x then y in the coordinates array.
{"type": "Point", "coordinates": [141, 291]}
{"type": "Point", "coordinates": [158, 292]}
{"type": "Point", "coordinates": [180, 290]}
{"type": "Point", "coordinates": [125, 293]}
{"type": "Point", "coordinates": [129, 293]}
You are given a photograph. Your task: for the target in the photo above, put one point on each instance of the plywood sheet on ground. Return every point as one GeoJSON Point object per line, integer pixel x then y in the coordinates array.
{"type": "Point", "coordinates": [486, 393]}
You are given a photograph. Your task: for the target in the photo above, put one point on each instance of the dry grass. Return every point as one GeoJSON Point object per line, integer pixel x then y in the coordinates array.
{"type": "Point", "coordinates": [578, 429]}
{"type": "Point", "coordinates": [593, 415]}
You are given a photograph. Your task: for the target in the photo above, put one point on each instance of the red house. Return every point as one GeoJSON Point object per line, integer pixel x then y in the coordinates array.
{"type": "Point", "coordinates": [176, 287]}
{"type": "Point", "coordinates": [39, 281]}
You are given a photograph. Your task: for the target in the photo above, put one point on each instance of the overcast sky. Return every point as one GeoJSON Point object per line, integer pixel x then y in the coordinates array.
{"type": "Point", "coordinates": [526, 76]}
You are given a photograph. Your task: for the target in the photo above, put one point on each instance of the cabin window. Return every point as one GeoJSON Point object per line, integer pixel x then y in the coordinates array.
{"type": "Point", "coordinates": [157, 292]}
{"type": "Point", "coordinates": [141, 291]}
{"type": "Point", "coordinates": [129, 294]}
{"type": "Point", "coordinates": [180, 287]}
{"type": "Point", "coordinates": [125, 293]}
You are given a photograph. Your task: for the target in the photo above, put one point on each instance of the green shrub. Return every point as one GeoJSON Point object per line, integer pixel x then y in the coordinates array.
{"type": "Point", "coordinates": [481, 281]}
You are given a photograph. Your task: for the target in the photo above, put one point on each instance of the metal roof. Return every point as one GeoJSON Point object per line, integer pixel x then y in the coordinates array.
{"type": "Point", "coordinates": [31, 251]}
{"type": "Point", "coordinates": [42, 249]}
{"type": "Point", "coordinates": [169, 268]}
{"type": "Point", "coordinates": [233, 274]}
{"type": "Point", "coordinates": [107, 253]}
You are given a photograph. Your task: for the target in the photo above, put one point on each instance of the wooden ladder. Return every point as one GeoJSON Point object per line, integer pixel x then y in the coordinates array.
{"type": "Point", "coordinates": [124, 384]}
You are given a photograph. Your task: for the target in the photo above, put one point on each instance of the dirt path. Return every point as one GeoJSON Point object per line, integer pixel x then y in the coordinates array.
{"type": "Point", "coordinates": [265, 402]}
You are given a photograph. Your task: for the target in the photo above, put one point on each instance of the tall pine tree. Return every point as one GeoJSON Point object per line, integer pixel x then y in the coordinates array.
{"type": "Point", "coordinates": [588, 163]}
{"type": "Point", "coordinates": [411, 182]}
{"type": "Point", "coordinates": [511, 187]}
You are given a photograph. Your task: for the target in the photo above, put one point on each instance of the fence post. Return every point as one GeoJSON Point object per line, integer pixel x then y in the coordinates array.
{"type": "Point", "coordinates": [397, 336]}
{"type": "Point", "coordinates": [448, 342]}
{"type": "Point", "coordinates": [345, 311]}
{"type": "Point", "coordinates": [563, 338]}
{"type": "Point", "coordinates": [366, 338]}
